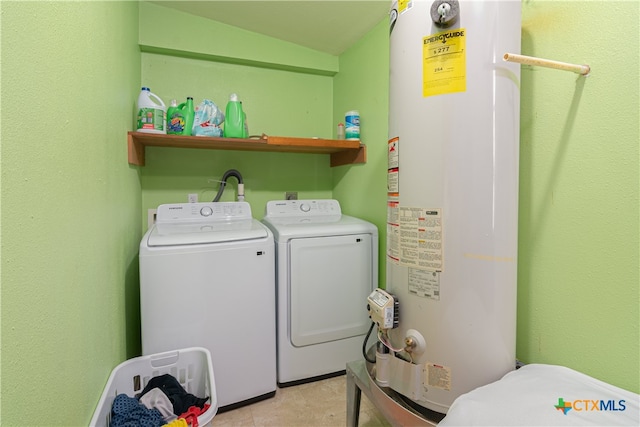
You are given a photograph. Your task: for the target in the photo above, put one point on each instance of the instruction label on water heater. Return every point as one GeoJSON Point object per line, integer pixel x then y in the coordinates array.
{"type": "Point", "coordinates": [421, 238]}
{"type": "Point", "coordinates": [424, 283]}
{"type": "Point", "coordinates": [393, 231]}
{"type": "Point", "coordinates": [444, 66]}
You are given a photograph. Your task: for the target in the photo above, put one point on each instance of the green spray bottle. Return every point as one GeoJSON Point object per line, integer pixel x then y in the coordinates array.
{"type": "Point", "coordinates": [234, 119]}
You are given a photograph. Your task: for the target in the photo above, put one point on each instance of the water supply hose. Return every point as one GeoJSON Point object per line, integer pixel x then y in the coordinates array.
{"type": "Point", "coordinates": [223, 182]}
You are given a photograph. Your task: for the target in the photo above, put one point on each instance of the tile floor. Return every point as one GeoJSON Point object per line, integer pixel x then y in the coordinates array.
{"type": "Point", "coordinates": [318, 404]}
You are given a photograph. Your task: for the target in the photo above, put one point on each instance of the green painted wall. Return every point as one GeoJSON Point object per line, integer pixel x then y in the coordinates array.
{"type": "Point", "coordinates": [171, 32]}
{"type": "Point", "coordinates": [277, 98]}
{"type": "Point", "coordinates": [70, 206]}
{"type": "Point", "coordinates": [578, 282]}
{"type": "Point", "coordinates": [362, 84]}
{"type": "Point", "coordinates": [69, 285]}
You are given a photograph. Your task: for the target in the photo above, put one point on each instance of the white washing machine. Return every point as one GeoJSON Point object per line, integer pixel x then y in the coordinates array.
{"type": "Point", "coordinates": [327, 265]}
{"type": "Point", "coordinates": [207, 279]}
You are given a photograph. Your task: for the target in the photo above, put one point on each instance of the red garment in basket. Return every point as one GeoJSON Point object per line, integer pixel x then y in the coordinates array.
{"type": "Point", "coordinates": [191, 416]}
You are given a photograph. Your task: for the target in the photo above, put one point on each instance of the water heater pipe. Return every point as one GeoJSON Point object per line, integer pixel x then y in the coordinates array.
{"type": "Point", "coordinates": [530, 60]}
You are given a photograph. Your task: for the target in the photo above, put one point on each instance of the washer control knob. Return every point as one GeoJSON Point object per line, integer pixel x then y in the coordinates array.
{"type": "Point", "coordinates": [305, 207]}
{"type": "Point", "coordinates": [206, 211]}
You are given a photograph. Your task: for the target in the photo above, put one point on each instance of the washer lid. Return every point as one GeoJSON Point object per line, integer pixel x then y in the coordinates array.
{"type": "Point", "coordinates": [205, 232]}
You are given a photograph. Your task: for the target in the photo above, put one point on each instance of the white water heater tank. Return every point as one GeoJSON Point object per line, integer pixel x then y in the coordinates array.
{"type": "Point", "coordinates": [453, 195]}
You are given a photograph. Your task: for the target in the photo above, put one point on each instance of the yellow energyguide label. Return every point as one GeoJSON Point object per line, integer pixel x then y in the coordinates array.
{"type": "Point", "coordinates": [444, 66]}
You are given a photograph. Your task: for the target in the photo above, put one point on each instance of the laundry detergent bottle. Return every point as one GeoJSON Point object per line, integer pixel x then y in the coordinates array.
{"type": "Point", "coordinates": [234, 119]}
{"type": "Point", "coordinates": [152, 113]}
{"type": "Point", "coordinates": [175, 121]}
{"type": "Point", "coordinates": [180, 117]}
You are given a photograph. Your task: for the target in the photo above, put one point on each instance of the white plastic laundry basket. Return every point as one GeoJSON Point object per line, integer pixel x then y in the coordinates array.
{"type": "Point", "coordinates": [192, 367]}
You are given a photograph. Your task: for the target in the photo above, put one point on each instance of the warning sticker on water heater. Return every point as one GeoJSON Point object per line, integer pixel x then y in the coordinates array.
{"type": "Point", "coordinates": [393, 169]}
{"type": "Point", "coordinates": [444, 68]}
{"type": "Point", "coordinates": [421, 238]}
{"type": "Point", "coordinates": [438, 376]}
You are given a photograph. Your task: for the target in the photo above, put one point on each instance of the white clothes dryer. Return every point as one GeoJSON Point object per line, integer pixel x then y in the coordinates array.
{"type": "Point", "coordinates": [326, 266]}
{"type": "Point", "coordinates": [207, 279]}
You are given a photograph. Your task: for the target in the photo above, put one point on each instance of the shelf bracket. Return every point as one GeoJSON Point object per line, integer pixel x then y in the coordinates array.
{"type": "Point", "coordinates": [583, 70]}
{"type": "Point", "coordinates": [349, 157]}
{"type": "Point", "coordinates": [135, 150]}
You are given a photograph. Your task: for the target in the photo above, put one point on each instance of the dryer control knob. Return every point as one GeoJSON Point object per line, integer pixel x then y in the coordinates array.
{"type": "Point", "coordinates": [305, 207]}
{"type": "Point", "coordinates": [206, 211]}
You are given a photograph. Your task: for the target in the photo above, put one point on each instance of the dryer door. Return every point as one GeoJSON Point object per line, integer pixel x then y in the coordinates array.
{"type": "Point", "coordinates": [329, 281]}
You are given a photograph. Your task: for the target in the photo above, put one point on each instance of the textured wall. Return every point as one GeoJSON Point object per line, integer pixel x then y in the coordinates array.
{"type": "Point", "coordinates": [578, 284]}
{"type": "Point", "coordinates": [70, 206]}
{"type": "Point", "coordinates": [363, 84]}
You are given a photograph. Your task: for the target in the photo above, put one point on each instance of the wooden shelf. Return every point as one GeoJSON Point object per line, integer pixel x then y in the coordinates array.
{"type": "Point", "coordinates": [342, 152]}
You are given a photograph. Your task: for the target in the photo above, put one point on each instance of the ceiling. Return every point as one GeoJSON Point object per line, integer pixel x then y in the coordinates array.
{"type": "Point", "coordinates": [330, 26]}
